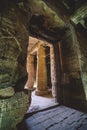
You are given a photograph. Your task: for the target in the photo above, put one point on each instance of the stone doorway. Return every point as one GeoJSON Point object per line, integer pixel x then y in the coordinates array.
{"type": "Point", "coordinates": [41, 75]}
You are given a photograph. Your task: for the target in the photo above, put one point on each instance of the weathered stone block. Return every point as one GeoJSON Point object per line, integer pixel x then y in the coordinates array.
{"type": "Point", "coordinates": [12, 111]}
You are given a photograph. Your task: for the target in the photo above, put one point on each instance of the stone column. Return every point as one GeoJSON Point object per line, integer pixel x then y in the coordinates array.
{"type": "Point", "coordinates": [30, 68]}
{"type": "Point", "coordinates": [53, 71]}
{"type": "Point", "coordinates": [41, 76]}
{"type": "Point", "coordinates": [59, 94]}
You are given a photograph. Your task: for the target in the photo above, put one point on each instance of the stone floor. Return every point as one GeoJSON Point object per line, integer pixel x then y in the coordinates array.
{"type": "Point", "coordinates": [57, 118]}
{"type": "Point", "coordinates": [41, 102]}
{"type": "Point", "coordinates": [53, 118]}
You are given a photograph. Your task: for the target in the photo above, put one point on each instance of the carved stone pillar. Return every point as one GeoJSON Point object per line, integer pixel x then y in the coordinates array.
{"type": "Point", "coordinates": [41, 76]}
{"type": "Point", "coordinates": [53, 71]}
{"type": "Point", "coordinates": [30, 69]}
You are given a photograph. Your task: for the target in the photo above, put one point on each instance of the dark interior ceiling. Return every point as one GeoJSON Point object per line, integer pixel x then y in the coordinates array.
{"type": "Point", "coordinates": [70, 6]}
{"type": "Point", "coordinates": [49, 17]}
{"type": "Point", "coordinates": [38, 29]}
{"type": "Point", "coordinates": [73, 10]}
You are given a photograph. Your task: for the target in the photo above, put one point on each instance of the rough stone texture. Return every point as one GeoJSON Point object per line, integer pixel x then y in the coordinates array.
{"type": "Point", "coordinates": [73, 90]}
{"type": "Point", "coordinates": [52, 19]}
{"type": "Point", "coordinates": [13, 52]}
{"type": "Point", "coordinates": [70, 51]}
{"type": "Point", "coordinates": [83, 60]}
{"type": "Point", "coordinates": [80, 15]}
{"type": "Point", "coordinates": [14, 22]}
{"type": "Point", "coordinates": [12, 110]}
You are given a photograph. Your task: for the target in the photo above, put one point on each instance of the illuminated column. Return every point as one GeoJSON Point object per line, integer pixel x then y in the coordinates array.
{"type": "Point", "coordinates": [41, 76]}
{"type": "Point", "coordinates": [53, 71]}
{"type": "Point", "coordinates": [30, 68]}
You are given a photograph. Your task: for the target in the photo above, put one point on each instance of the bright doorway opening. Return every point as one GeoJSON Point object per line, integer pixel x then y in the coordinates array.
{"type": "Point", "coordinates": [40, 62]}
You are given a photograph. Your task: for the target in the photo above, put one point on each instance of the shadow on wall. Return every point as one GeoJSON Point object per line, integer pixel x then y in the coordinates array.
{"type": "Point", "coordinates": [74, 94]}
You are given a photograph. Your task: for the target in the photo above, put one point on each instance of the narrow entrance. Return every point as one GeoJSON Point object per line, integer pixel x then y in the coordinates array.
{"type": "Point", "coordinates": [42, 98]}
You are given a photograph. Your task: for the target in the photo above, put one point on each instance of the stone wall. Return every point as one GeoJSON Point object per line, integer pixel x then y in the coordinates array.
{"type": "Point", "coordinates": [12, 110]}
{"type": "Point", "coordinates": [83, 60]}
{"type": "Point", "coordinates": [13, 75]}
{"type": "Point", "coordinates": [73, 90]}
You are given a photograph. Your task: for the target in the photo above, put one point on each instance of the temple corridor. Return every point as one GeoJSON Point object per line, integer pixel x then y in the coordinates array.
{"type": "Point", "coordinates": [43, 64]}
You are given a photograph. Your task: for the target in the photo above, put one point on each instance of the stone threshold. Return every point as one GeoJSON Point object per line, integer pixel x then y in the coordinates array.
{"type": "Point", "coordinates": [42, 109]}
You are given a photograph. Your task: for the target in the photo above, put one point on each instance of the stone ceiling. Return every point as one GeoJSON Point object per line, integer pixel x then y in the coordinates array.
{"type": "Point", "coordinates": [49, 19]}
